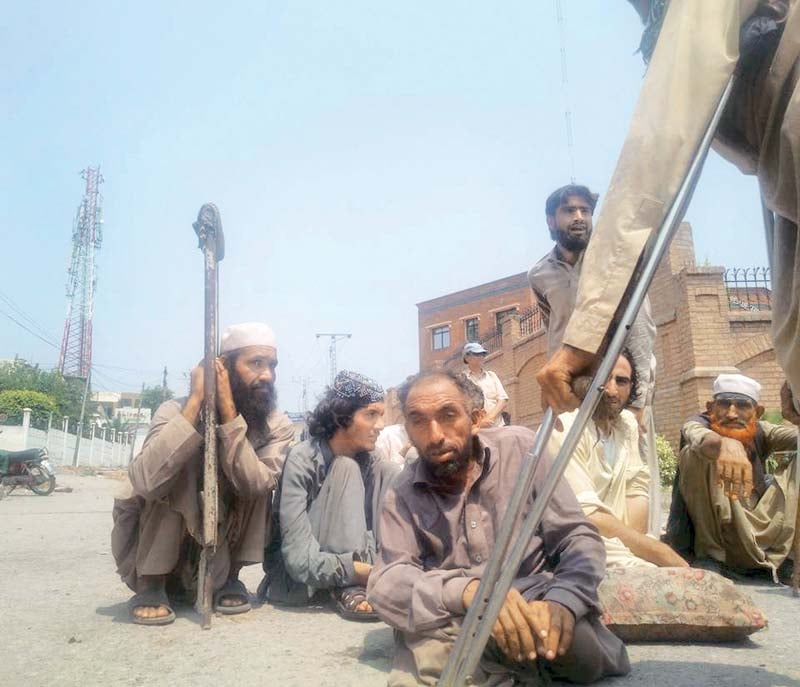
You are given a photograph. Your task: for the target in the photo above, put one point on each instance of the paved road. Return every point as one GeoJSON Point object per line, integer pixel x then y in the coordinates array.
{"type": "Point", "coordinates": [64, 622]}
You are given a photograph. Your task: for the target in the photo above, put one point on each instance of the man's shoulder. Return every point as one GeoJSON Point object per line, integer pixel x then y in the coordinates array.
{"type": "Point", "coordinates": [508, 441]}
{"type": "Point", "coordinates": [540, 267]}
{"type": "Point", "coordinates": [279, 424]}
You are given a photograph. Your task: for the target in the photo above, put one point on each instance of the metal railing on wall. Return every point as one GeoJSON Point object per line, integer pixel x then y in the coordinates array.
{"type": "Point", "coordinates": [530, 321]}
{"type": "Point", "coordinates": [749, 288]}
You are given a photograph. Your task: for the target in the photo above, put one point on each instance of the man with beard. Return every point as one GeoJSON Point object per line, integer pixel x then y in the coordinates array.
{"type": "Point", "coordinates": [328, 500]}
{"type": "Point", "coordinates": [608, 476]}
{"type": "Point", "coordinates": [554, 281]}
{"type": "Point", "coordinates": [692, 49]}
{"type": "Point", "coordinates": [437, 532]}
{"type": "Point", "coordinates": [726, 509]}
{"type": "Point", "coordinates": [158, 522]}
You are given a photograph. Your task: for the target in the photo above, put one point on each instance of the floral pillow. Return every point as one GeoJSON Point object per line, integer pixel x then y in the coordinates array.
{"type": "Point", "coordinates": [676, 605]}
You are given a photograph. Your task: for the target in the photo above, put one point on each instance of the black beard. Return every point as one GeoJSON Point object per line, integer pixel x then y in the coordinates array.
{"type": "Point", "coordinates": [574, 244]}
{"type": "Point", "coordinates": [452, 467]}
{"type": "Point", "coordinates": [254, 402]}
{"type": "Point", "coordinates": [606, 415]}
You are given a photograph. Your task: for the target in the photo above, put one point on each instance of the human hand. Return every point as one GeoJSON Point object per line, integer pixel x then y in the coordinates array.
{"type": "Point", "coordinates": [512, 629]}
{"type": "Point", "coordinates": [665, 556]}
{"type": "Point", "coordinates": [734, 472]}
{"type": "Point", "coordinates": [225, 405]}
{"type": "Point", "coordinates": [363, 571]}
{"type": "Point", "coordinates": [197, 387]}
{"type": "Point", "coordinates": [553, 626]}
{"type": "Point", "coordinates": [788, 409]}
{"type": "Point", "coordinates": [555, 378]}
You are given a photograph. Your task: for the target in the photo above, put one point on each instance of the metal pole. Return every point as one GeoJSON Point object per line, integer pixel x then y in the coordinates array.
{"type": "Point", "coordinates": [769, 229]}
{"type": "Point", "coordinates": [491, 593]}
{"type": "Point", "coordinates": [209, 232]}
{"type": "Point", "coordinates": [80, 421]}
{"type": "Point", "coordinates": [26, 426]}
{"type": "Point", "coordinates": [91, 444]}
{"type": "Point", "coordinates": [64, 444]}
{"type": "Point", "coordinates": [332, 349]}
{"type": "Point", "coordinates": [49, 427]}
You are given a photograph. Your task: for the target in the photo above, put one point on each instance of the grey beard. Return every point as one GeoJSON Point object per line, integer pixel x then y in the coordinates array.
{"type": "Point", "coordinates": [606, 416]}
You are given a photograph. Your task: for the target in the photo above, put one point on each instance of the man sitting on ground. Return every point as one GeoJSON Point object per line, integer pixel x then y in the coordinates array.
{"type": "Point", "coordinates": [328, 500]}
{"type": "Point", "coordinates": [609, 478]}
{"type": "Point", "coordinates": [437, 532]}
{"type": "Point", "coordinates": [158, 524]}
{"type": "Point", "coordinates": [726, 509]}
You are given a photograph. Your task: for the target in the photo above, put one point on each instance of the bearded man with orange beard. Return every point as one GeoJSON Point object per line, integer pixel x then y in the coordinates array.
{"type": "Point", "coordinates": [727, 511]}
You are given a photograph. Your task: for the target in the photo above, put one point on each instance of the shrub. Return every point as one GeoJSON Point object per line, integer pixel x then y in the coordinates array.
{"type": "Point", "coordinates": [667, 461]}
{"type": "Point", "coordinates": [14, 400]}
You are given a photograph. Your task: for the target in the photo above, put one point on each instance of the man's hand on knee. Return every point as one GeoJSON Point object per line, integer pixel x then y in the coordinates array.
{"type": "Point", "coordinates": [553, 626]}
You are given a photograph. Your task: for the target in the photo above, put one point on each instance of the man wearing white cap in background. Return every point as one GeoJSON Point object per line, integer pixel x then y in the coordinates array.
{"type": "Point", "coordinates": [157, 526]}
{"type": "Point", "coordinates": [726, 509]}
{"type": "Point", "coordinates": [495, 398]}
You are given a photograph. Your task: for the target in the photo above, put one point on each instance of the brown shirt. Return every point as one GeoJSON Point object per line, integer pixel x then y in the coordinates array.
{"type": "Point", "coordinates": [434, 543]}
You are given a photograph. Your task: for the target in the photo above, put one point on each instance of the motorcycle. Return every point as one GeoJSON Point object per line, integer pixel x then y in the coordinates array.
{"type": "Point", "coordinates": [29, 468]}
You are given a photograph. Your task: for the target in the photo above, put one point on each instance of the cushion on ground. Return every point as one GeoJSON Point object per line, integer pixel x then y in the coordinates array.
{"type": "Point", "coordinates": [676, 605]}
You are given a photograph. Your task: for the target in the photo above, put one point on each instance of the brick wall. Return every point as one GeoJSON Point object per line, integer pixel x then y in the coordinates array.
{"type": "Point", "coordinates": [455, 308]}
{"type": "Point", "coordinates": [699, 337]}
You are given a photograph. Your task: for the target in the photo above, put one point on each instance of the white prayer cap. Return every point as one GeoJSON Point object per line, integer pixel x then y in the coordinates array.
{"type": "Point", "coordinates": [247, 334]}
{"type": "Point", "coordinates": [737, 384]}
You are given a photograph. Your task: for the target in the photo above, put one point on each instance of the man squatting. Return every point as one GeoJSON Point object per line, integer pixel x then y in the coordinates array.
{"type": "Point", "coordinates": [158, 522]}
{"type": "Point", "coordinates": [437, 529]}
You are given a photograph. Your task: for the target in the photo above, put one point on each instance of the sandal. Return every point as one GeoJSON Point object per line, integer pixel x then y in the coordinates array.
{"type": "Point", "coordinates": [232, 588]}
{"type": "Point", "coordinates": [347, 601]}
{"type": "Point", "coordinates": [153, 598]}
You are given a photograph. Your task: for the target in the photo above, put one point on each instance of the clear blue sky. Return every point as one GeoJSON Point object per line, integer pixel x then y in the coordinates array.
{"type": "Point", "coordinates": [365, 156]}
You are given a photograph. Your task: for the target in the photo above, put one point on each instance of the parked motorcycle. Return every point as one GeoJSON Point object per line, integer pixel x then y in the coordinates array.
{"type": "Point", "coordinates": [29, 468]}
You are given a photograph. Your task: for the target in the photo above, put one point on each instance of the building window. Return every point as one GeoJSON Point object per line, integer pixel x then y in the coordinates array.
{"type": "Point", "coordinates": [502, 316]}
{"type": "Point", "coordinates": [441, 337]}
{"type": "Point", "coordinates": [471, 329]}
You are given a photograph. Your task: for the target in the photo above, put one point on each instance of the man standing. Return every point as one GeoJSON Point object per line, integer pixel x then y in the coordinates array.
{"type": "Point", "coordinates": [158, 525]}
{"type": "Point", "coordinates": [693, 48]}
{"type": "Point", "coordinates": [609, 478]}
{"type": "Point", "coordinates": [328, 500]}
{"type": "Point", "coordinates": [554, 280]}
{"type": "Point", "coordinates": [495, 398]}
{"type": "Point", "coordinates": [437, 531]}
{"type": "Point", "coordinates": [725, 505]}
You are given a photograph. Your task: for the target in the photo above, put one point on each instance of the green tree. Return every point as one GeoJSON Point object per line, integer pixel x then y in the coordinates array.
{"type": "Point", "coordinates": [154, 396]}
{"type": "Point", "coordinates": [12, 402]}
{"type": "Point", "coordinates": [66, 393]}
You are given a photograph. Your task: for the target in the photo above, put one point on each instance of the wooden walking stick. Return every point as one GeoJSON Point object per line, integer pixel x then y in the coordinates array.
{"type": "Point", "coordinates": [212, 242]}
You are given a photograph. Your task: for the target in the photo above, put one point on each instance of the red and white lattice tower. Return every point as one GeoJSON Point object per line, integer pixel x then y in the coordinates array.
{"type": "Point", "coordinates": [87, 235]}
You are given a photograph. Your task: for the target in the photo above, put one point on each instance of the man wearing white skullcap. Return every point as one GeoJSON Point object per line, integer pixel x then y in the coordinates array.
{"type": "Point", "coordinates": [158, 522]}
{"type": "Point", "coordinates": [727, 511]}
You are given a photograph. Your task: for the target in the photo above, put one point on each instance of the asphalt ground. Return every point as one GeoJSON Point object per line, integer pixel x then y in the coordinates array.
{"type": "Point", "coordinates": [64, 621]}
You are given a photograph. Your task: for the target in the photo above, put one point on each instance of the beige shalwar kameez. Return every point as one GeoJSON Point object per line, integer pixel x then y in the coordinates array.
{"type": "Point", "coordinates": [750, 534]}
{"type": "Point", "coordinates": [603, 485]}
{"type": "Point", "coordinates": [696, 52]}
{"type": "Point", "coordinates": [158, 518]}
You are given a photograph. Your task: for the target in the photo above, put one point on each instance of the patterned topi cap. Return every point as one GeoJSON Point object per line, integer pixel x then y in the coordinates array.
{"type": "Point", "coordinates": [357, 387]}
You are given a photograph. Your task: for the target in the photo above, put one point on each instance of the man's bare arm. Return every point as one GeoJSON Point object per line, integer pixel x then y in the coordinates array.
{"type": "Point", "coordinates": [640, 545]}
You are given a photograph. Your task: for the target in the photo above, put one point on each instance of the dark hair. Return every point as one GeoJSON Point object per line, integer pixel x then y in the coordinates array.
{"type": "Point", "coordinates": [634, 377]}
{"type": "Point", "coordinates": [473, 396]}
{"type": "Point", "coordinates": [331, 414]}
{"type": "Point", "coordinates": [560, 195]}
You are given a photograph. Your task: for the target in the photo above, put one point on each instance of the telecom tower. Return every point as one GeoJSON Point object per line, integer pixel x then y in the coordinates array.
{"type": "Point", "coordinates": [87, 234]}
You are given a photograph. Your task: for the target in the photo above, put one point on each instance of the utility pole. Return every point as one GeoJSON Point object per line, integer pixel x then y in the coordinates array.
{"type": "Point", "coordinates": [138, 420]}
{"type": "Point", "coordinates": [334, 337]}
{"type": "Point", "coordinates": [79, 430]}
{"type": "Point", "coordinates": [303, 382]}
{"type": "Point", "coordinates": [164, 385]}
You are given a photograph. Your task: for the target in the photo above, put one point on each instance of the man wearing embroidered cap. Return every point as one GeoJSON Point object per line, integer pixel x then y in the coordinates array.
{"type": "Point", "coordinates": [328, 501]}
{"type": "Point", "coordinates": [726, 509]}
{"type": "Point", "coordinates": [157, 524]}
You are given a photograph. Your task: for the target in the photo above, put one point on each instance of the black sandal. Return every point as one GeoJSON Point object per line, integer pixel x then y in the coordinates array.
{"type": "Point", "coordinates": [233, 588]}
{"type": "Point", "coordinates": [348, 600]}
{"type": "Point", "coordinates": [153, 599]}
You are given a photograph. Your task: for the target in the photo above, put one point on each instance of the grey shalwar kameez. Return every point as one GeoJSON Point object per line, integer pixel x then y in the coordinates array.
{"type": "Point", "coordinates": [327, 510]}
{"type": "Point", "coordinates": [434, 543]}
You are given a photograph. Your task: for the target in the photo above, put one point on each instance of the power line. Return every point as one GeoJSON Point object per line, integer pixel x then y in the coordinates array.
{"type": "Point", "coordinates": [565, 92]}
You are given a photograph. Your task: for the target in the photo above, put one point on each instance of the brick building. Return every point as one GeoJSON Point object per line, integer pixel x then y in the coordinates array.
{"type": "Point", "coordinates": [709, 321]}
